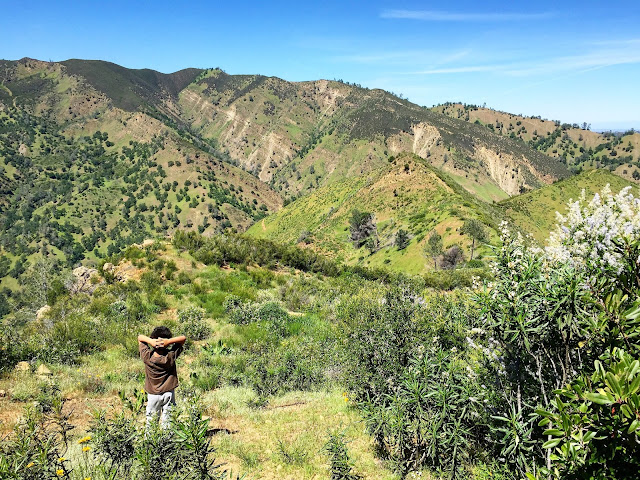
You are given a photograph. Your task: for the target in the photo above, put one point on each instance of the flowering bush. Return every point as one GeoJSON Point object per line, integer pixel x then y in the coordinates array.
{"type": "Point", "coordinates": [587, 235]}
{"type": "Point", "coordinates": [556, 314]}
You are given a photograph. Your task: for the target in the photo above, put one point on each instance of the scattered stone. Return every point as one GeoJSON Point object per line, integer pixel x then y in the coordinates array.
{"type": "Point", "coordinates": [43, 370]}
{"type": "Point", "coordinates": [42, 312]}
{"type": "Point", "coordinates": [147, 242]}
{"type": "Point", "coordinates": [3, 393]}
{"type": "Point", "coordinates": [23, 366]}
{"type": "Point", "coordinates": [83, 280]}
{"type": "Point", "coordinates": [108, 267]}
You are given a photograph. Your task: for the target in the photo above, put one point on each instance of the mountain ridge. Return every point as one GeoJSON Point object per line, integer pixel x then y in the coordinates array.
{"type": "Point", "coordinates": [202, 149]}
{"type": "Point", "coordinates": [275, 128]}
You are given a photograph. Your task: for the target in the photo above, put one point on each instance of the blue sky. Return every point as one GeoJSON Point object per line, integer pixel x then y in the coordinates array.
{"type": "Point", "coordinates": [574, 61]}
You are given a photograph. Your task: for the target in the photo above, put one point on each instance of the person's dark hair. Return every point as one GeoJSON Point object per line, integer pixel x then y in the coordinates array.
{"type": "Point", "coordinates": [161, 332]}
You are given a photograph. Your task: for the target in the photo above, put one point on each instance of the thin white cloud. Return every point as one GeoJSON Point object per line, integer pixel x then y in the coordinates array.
{"type": "Point", "coordinates": [463, 69]}
{"type": "Point", "coordinates": [405, 57]}
{"type": "Point", "coordinates": [439, 16]}
{"type": "Point", "coordinates": [576, 63]}
{"type": "Point", "coordinates": [382, 57]}
{"type": "Point", "coordinates": [579, 63]}
{"type": "Point", "coordinates": [618, 43]}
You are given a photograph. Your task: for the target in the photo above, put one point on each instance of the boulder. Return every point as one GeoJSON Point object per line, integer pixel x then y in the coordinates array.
{"type": "Point", "coordinates": [43, 370]}
{"type": "Point", "coordinates": [108, 267]}
{"type": "Point", "coordinates": [23, 366]}
{"type": "Point", "coordinates": [42, 312]}
{"type": "Point", "coordinates": [147, 242]}
{"type": "Point", "coordinates": [83, 282]}
{"type": "Point", "coordinates": [3, 393]}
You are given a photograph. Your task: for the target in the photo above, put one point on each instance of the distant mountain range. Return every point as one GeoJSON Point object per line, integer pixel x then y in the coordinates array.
{"type": "Point", "coordinates": [95, 156]}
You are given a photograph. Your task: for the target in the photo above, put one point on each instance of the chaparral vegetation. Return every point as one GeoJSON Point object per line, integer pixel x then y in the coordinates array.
{"type": "Point", "coordinates": [297, 366]}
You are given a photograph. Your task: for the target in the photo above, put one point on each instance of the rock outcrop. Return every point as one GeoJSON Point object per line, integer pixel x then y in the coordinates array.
{"type": "Point", "coordinates": [86, 280]}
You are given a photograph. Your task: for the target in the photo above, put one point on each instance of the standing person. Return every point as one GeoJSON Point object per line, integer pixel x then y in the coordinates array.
{"type": "Point", "coordinates": [161, 377]}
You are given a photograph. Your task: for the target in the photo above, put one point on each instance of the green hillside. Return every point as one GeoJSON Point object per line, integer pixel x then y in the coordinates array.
{"type": "Point", "coordinates": [95, 157]}
{"type": "Point", "coordinates": [576, 146]}
{"type": "Point", "coordinates": [407, 194]}
{"type": "Point", "coordinates": [85, 197]}
{"type": "Point", "coordinates": [535, 212]}
{"type": "Point", "coordinates": [297, 135]}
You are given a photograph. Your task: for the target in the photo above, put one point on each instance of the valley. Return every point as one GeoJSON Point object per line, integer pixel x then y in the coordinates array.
{"type": "Point", "coordinates": [369, 288]}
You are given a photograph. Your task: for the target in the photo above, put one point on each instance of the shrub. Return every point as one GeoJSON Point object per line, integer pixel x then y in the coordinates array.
{"type": "Point", "coordinates": [274, 316]}
{"type": "Point", "coordinates": [434, 416]}
{"type": "Point", "coordinates": [37, 446]}
{"type": "Point", "coordinates": [192, 323]}
{"type": "Point", "coordinates": [340, 465]}
{"type": "Point", "coordinates": [239, 312]}
{"type": "Point", "coordinates": [124, 449]}
{"type": "Point", "coordinates": [11, 349]}
{"type": "Point", "coordinates": [452, 279]}
{"type": "Point", "coordinates": [114, 442]}
{"type": "Point", "coordinates": [377, 338]}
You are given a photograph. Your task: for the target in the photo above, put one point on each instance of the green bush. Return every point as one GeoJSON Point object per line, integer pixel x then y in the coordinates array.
{"type": "Point", "coordinates": [294, 364]}
{"type": "Point", "coordinates": [192, 324]}
{"type": "Point", "coordinates": [378, 336]}
{"type": "Point", "coordinates": [433, 418]}
{"type": "Point", "coordinates": [238, 311]}
{"type": "Point", "coordinates": [452, 279]}
{"type": "Point", "coordinates": [275, 318]}
{"type": "Point", "coordinates": [11, 348]}
{"type": "Point", "coordinates": [592, 425]}
{"type": "Point", "coordinates": [340, 465]}
{"type": "Point", "coordinates": [36, 448]}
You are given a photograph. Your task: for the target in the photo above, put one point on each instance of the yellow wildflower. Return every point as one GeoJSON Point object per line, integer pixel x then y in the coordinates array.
{"type": "Point", "coordinates": [60, 472]}
{"type": "Point", "coordinates": [61, 459]}
{"type": "Point", "coordinates": [86, 449]}
{"type": "Point", "coordinates": [87, 478]}
{"type": "Point", "coordinates": [30, 465]}
{"type": "Point", "coordinates": [85, 439]}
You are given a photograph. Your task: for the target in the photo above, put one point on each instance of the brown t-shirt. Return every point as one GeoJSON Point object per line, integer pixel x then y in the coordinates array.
{"type": "Point", "coordinates": [159, 369]}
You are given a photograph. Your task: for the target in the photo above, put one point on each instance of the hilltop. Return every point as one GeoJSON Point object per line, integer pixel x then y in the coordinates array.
{"type": "Point", "coordinates": [535, 212]}
{"type": "Point", "coordinates": [293, 135]}
{"type": "Point", "coordinates": [407, 194]}
{"type": "Point", "coordinates": [575, 145]}
{"type": "Point", "coordinates": [95, 157]}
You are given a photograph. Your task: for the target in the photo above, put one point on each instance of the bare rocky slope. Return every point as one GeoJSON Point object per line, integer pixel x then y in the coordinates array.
{"type": "Point", "coordinates": [295, 136]}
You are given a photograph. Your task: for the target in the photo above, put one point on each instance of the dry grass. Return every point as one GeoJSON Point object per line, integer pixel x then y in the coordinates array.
{"type": "Point", "coordinates": [249, 440]}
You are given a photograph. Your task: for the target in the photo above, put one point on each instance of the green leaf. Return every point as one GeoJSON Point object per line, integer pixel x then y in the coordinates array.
{"type": "Point", "coordinates": [598, 398]}
{"type": "Point", "coordinates": [553, 431]}
{"type": "Point", "coordinates": [551, 443]}
{"type": "Point", "coordinates": [633, 388]}
{"type": "Point", "coordinates": [632, 313]}
{"type": "Point", "coordinates": [634, 426]}
{"type": "Point", "coordinates": [612, 381]}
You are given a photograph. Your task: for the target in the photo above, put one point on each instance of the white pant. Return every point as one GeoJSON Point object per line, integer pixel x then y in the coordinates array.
{"type": "Point", "coordinates": [160, 404]}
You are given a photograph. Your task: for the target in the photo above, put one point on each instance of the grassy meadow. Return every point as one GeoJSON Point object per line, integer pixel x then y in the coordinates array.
{"type": "Point", "coordinates": [267, 378]}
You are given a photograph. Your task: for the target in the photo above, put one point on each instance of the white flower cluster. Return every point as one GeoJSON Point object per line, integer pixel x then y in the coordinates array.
{"type": "Point", "coordinates": [585, 236]}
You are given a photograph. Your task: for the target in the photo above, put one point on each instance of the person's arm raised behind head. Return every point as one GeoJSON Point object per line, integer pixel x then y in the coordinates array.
{"type": "Point", "coordinates": [179, 340]}
{"type": "Point", "coordinates": [154, 342]}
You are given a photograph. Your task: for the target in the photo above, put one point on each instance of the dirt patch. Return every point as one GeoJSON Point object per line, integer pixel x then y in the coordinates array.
{"type": "Point", "coordinates": [78, 408]}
